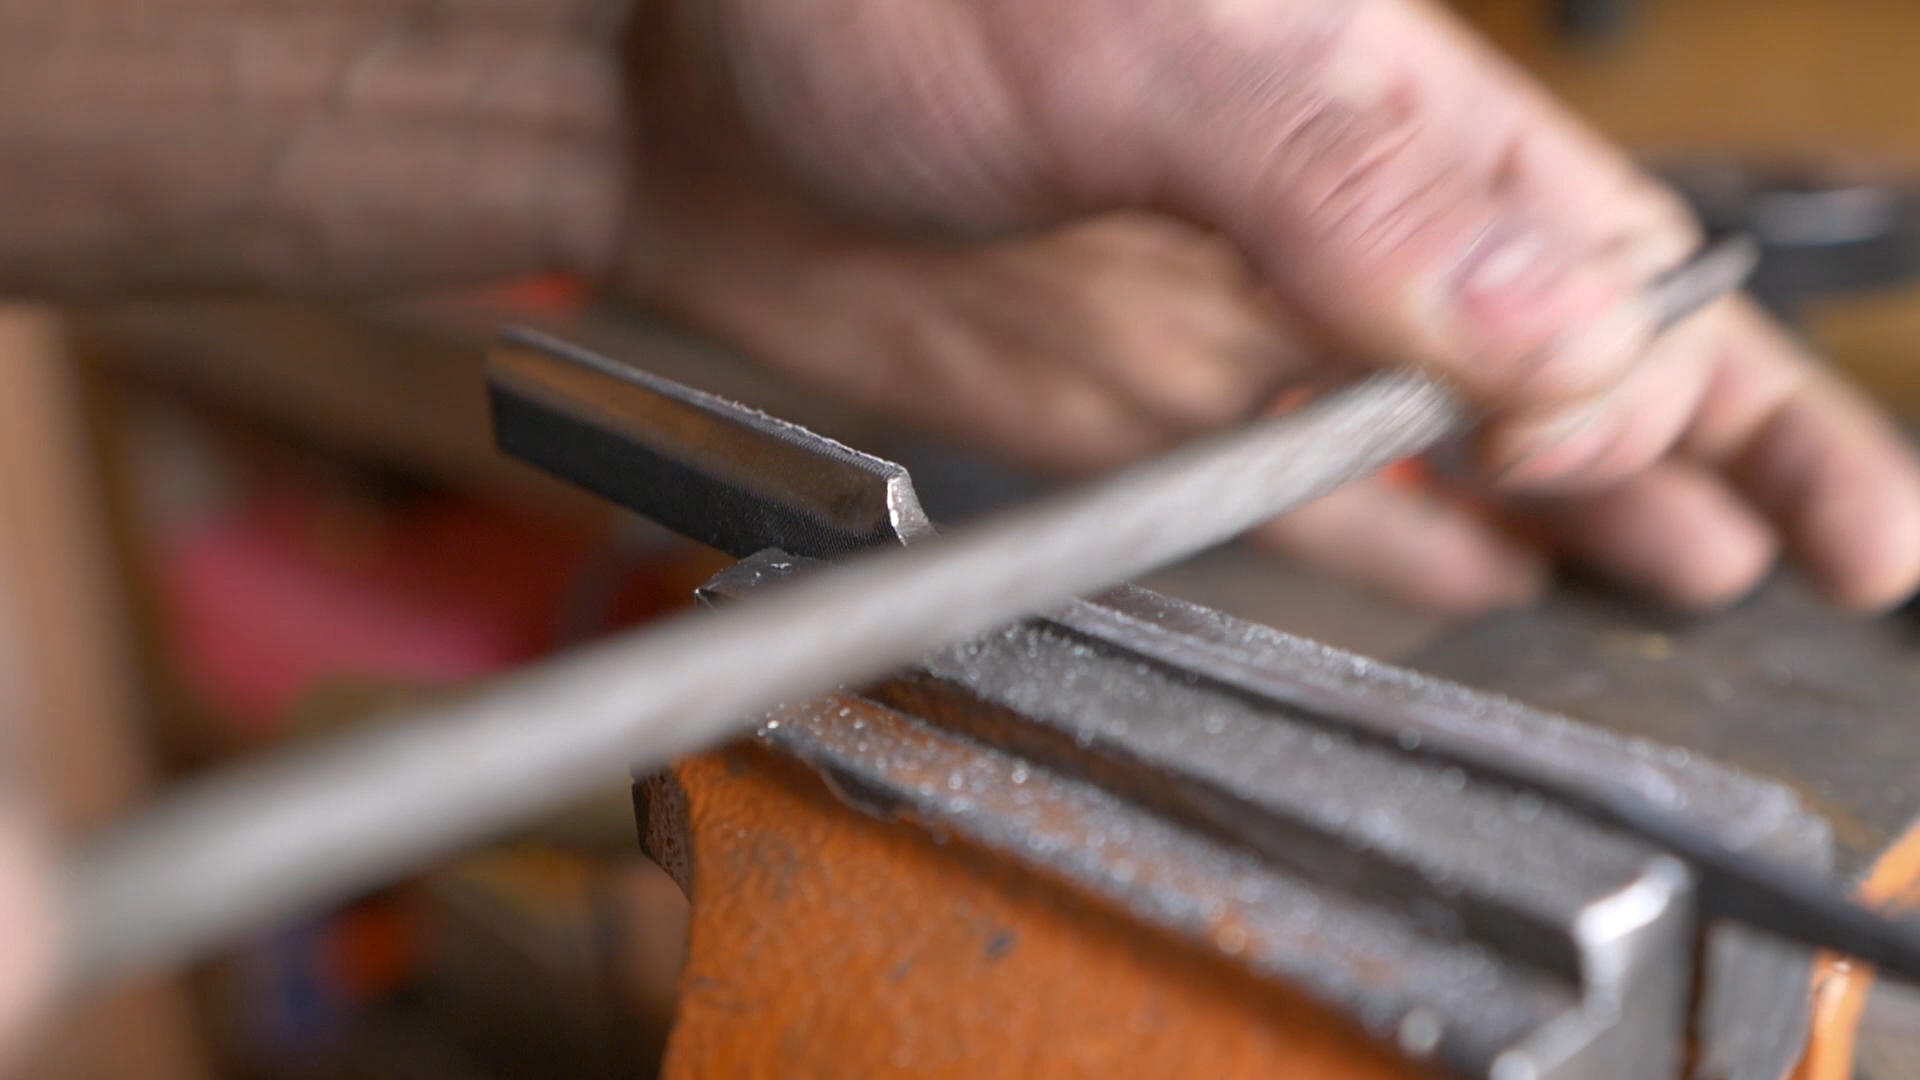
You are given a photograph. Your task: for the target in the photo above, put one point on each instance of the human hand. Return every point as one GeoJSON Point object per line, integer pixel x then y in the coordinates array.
{"type": "Point", "coordinates": [27, 933]}
{"type": "Point", "coordinates": [1399, 195]}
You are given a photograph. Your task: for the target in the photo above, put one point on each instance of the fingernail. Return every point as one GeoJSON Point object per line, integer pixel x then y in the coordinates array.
{"type": "Point", "coordinates": [1506, 260]}
{"type": "Point", "coordinates": [1552, 327]}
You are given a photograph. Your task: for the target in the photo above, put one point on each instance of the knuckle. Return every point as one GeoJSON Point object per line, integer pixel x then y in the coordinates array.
{"type": "Point", "coordinates": [1078, 428]}
{"type": "Point", "coordinates": [1659, 230]}
{"type": "Point", "coordinates": [1226, 369]}
{"type": "Point", "coordinates": [1351, 172]}
{"type": "Point", "coordinates": [1210, 395]}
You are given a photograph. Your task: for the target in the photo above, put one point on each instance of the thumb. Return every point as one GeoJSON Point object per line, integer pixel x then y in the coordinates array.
{"type": "Point", "coordinates": [1408, 194]}
{"type": "Point", "coordinates": [1396, 181]}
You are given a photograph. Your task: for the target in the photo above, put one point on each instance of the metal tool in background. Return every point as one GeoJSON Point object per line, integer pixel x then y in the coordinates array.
{"type": "Point", "coordinates": [1823, 231]}
{"type": "Point", "coordinates": [244, 849]}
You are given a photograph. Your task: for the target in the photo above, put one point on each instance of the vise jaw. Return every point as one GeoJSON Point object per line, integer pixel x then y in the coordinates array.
{"type": "Point", "coordinates": [1116, 814]}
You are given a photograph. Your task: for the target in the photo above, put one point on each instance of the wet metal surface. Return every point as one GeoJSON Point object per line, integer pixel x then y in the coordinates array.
{"type": "Point", "coordinates": [1385, 800]}
{"type": "Point", "coordinates": [827, 942]}
{"type": "Point", "coordinates": [1142, 724]}
{"type": "Point", "coordinates": [1823, 702]}
{"type": "Point", "coordinates": [1222, 898]}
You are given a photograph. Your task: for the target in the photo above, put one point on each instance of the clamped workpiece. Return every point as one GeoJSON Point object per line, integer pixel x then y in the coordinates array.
{"type": "Point", "coordinates": [1142, 836]}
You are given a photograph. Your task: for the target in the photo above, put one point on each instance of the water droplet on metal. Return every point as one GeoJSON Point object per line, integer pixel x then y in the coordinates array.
{"type": "Point", "coordinates": [1419, 1033]}
{"type": "Point", "coordinates": [1514, 1065]}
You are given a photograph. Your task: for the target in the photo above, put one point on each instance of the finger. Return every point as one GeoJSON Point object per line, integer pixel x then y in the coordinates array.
{"type": "Point", "coordinates": [1373, 161]}
{"type": "Point", "coordinates": [1000, 386]}
{"type": "Point", "coordinates": [1199, 360]}
{"type": "Point", "coordinates": [1594, 445]}
{"type": "Point", "coordinates": [1375, 166]}
{"type": "Point", "coordinates": [28, 923]}
{"type": "Point", "coordinates": [1571, 168]}
{"type": "Point", "coordinates": [1165, 315]}
{"type": "Point", "coordinates": [1674, 532]}
{"type": "Point", "coordinates": [1838, 481]}
{"type": "Point", "coordinates": [1409, 544]}
{"type": "Point", "coordinates": [1067, 423]}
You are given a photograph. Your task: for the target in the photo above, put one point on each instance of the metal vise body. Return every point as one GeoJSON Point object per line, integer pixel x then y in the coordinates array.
{"type": "Point", "coordinates": [1139, 836]}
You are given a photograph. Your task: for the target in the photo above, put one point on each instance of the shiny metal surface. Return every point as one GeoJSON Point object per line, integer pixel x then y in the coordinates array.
{"type": "Point", "coordinates": [1373, 865]}
{"type": "Point", "coordinates": [261, 842]}
{"type": "Point", "coordinates": [1784, 687]}
{"type": "Point", "coordinates": [239, 851]}
{"type": "Point", "coordinates": [705, 467]}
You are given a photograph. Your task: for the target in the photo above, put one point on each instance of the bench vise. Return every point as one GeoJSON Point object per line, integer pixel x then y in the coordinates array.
{"type": "Point", "coordinates": [1140, 836]}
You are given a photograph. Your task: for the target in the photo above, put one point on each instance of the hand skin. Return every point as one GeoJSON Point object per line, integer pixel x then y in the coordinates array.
{"type": "Point", "coordinates": [28, 933]}
{"type": "Point", "coordinates": [1395, 188]}
{"type": "Point", "coordinates": [1074, 232]}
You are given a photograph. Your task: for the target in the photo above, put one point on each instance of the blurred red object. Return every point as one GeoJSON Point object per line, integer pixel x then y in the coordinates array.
{"type": "Point", "coordinates": [266, 602]}
{"type": "Point", "coordinates": [553, 294]}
